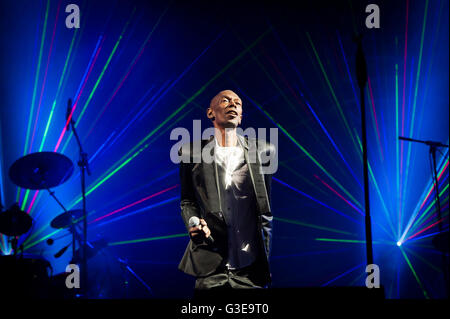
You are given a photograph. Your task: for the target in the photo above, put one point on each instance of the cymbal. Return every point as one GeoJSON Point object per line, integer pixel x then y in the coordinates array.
{"type": "Point", "coordinates": [41, 170]}
{"type": "Point", "coordinates": [64, 220]}
{"type": "Point", "coordinates": [15, 222]}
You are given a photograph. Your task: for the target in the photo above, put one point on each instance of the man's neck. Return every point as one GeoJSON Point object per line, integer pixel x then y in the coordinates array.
{"type": "Point", "coordinates": [226, 137]}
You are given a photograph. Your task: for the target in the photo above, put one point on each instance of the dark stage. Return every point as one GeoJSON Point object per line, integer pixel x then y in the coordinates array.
{"type": "Point", "coordinates": [136, 71]}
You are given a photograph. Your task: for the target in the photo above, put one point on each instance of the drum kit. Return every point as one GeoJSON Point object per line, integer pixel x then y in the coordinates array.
{"type": "Point", "coordinates": [30, 275]}
{"type": "Point", "coordinates": [39, 171]}
{"type": "Point", "coordinates": [43, 171]}
{"type": "Point", "coordinates": [36, 171]}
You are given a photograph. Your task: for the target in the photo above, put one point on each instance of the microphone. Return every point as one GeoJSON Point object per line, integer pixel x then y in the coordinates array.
{"type": "Point", "coordinates": [429, 143]}
{"type": "Point", "coordinates": [405, 138]}
{"type": "Point", "coordinates": [195, 221]}
{"type": "Point", "coordinates": [69, 110]}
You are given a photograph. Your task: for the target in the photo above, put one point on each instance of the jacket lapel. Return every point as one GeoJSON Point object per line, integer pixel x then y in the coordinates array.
{"type": "Point", "coordinates": [256, 176]}
{"type": "Point", "coordinates": [210, 175]}
{"type": "Point", "coordinates": [209, 171]}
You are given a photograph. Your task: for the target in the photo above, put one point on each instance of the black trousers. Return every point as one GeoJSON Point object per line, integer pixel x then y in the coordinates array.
{"type": "Point", "coordinates": [243, 278]}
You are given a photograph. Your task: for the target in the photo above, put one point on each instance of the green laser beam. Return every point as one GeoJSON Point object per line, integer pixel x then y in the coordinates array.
{"type": "Point", "coordinates": [371, 111]}
{"type": "Point", "coordinates": [411, 129]}
{"type": "Point", "coordinates": [41, 239]}
{"type": "Point", "coordinates": [86, 10]}
{"type": "Point", "coordinates": [170, 126]}
{"type": "Point", "coordinates": [141, 240]}
{"type": "Point", "coordinates": [311, 184]}
{"type": "Point", "coordinates": [38, 197]}
{"type": "Point", "coordinates": [336, 101]}
{"type": "Point", "coordinates": [108, 173]}
{"type": "Point", "coordinates": [36, 78]}
{"type": "Point", "coordinates": [428, 208]}
{"type": "Point", "coordinates": [414, 273]}
{"type": "Point", "coordinates": [432, 221]}
{"type": "Point", "coordinates": [47, 126]}
{"type": "Point", "coordinates": [357, 278]}
{"type": "Point", "coordinates": [385, 210]}
{"type": "Point", "coordinates": [307, 153]}
{"type": "Point", "coordinates": [33, 100]}
{"type": "Point", "coordinates": [431, 60]}
{"type": "Point", "coordinates": [58, 89]}
{"type": "Point", "coordinates": [351, 241]}
{"type": "Point", "coordinates": [296, 222]}
{"type": "Point", "coordinates": [427, 212]}
{"type": "Point", "coordinates": [423, 260]}
{"type": "Point", "coordinates": [301, 118]}
{"type": "Point", "coordinates": [288, 102]}
{"type": "Point", "coordinates": [91, 94]}
{"type": "Point", "coordinates": [417, 208]}
{"type": "Point", "coordinates": [120, 82]}
{"type": "Point", "coordinates": [36, 233]}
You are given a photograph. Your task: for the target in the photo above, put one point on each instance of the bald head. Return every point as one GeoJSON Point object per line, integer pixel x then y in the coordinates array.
{"type": "Point", "coordinates": [225, 109]}
{"type": "Point", "coordinates": [215, 99]}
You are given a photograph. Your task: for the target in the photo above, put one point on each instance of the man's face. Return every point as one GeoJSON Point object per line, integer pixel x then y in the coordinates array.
{"type": "Point", "coordinates": [226, 108]}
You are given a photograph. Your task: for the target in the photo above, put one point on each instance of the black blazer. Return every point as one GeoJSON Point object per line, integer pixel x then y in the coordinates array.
{"type": "Point", "coordinates": [200, 197]}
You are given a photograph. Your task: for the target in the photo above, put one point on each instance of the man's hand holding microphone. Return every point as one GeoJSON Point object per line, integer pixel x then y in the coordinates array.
{"type": "Point", "coordinates": [198, 230]}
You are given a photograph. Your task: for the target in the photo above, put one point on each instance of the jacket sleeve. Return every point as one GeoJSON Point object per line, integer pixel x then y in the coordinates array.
{"type": "Point", "coordinates": [267, 217]}
{"type": "Point", "coordinates": [188, 203]}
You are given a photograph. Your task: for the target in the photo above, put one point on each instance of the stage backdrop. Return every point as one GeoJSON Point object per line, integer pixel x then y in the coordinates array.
{"type": "Point", "coordinates": [136, 70]}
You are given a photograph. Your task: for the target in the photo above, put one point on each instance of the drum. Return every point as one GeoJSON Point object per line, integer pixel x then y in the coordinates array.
{"type": "Point", "coordinates": [25, 276]}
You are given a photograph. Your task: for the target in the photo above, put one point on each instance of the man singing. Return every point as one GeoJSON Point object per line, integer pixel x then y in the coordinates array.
{"type": "Point", "coordinates": [225, 204]}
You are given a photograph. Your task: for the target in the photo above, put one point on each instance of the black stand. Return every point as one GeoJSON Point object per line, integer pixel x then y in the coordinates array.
{"type": "Point", "coordinates": [65, 210]}
{"type": "Point", "coordinates": [127, 271]}
{"type": "Point", "coordinates": [84, 167]}
{"type": "Point", "coordinates": [14, 241]}
{"type": "Point", "coordinates": [433, 147]}
{"type": "Point", "coordinates": [361, 74]}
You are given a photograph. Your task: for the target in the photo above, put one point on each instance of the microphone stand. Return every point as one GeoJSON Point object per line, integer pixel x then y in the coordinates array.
{"type": "Point", "coordinates": [361, 74]}
{"type": "Point", "coordinates": [433, 148]}
{"type": "Point", "coordinates": [84, 167]}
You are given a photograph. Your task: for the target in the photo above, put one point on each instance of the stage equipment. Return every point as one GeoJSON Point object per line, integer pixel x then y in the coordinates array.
{"type": "Point", "coordinates": [432, 151]}
{"type": "Point", "coordinates": [42, 170]}
{"type": "Point", "coordinates": [361, 75]}
{"type": "Point", "coordinates": [13, 223]}
{"type": "Point", "coordinates": [83, 164]}
{"type": "Point", "coordinates": [66, 219]}
{"type": "Point", "coordinates": [25, 276]}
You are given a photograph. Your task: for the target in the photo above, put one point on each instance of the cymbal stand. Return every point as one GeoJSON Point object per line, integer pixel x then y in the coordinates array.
{"type": "Point", "coordinates": [13, 242]}
{"type": "Point", "coordinates": [432, 150]}
{"type": "Point", "coordinates": [52, 194]}
{"type": "Point", "coordinates": [83, 164]}
{"type": "Point", "coordinates": [124, 265]}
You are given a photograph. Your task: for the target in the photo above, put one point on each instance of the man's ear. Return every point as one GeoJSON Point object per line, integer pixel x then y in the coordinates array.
{"type": "Point", "coordinates": [210, 114]}
{"type": "Point", "coordinates": [240, 119]}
